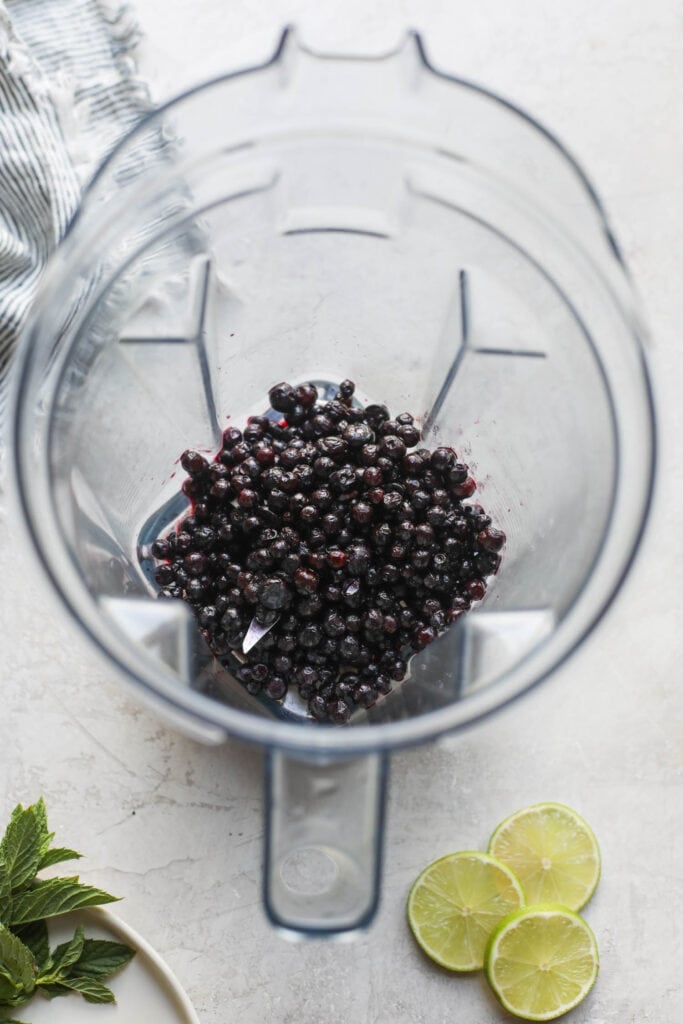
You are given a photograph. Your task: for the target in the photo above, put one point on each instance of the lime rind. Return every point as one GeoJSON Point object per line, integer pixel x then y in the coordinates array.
{"type": "Point", "coordinates": [494, 957]}
{"type": "Point", "coordinates": [569, 890]}
{"type": "Point", "coordinates": [436, 922]}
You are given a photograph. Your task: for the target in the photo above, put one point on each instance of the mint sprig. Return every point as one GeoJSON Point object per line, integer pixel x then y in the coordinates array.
{"type": "Point", "coordinates": [27, 966]}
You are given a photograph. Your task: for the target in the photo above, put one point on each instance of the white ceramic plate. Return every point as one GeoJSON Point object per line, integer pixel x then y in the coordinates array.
{"type": "Point", "coordinates": [146, 990]}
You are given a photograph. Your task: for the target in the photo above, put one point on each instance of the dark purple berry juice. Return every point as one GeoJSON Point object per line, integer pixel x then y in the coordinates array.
{"type": "Point", "coordinates": [328, 534]}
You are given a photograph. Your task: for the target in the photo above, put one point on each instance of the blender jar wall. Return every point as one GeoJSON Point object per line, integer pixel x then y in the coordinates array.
{"type": "Point", "coordinates": [329, 218]}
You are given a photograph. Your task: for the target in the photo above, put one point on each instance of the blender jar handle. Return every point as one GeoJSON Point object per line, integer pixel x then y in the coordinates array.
{"type": "Point", "coordinates": [323, 841]}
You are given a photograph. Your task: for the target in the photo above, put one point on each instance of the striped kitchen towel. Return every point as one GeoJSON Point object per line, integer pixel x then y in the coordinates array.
{"type": "Point", "coordinates": [68, 91]}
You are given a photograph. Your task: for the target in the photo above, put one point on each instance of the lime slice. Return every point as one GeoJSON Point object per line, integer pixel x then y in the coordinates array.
{"type": "Point", "coordinates": [456, 903]}
{"type": "Point", "coordinates": [552, 851]}
{"type": "Point", "coordinates": [542, 961]}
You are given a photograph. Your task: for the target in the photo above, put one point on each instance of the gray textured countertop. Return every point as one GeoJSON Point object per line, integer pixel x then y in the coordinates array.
{"type": "Point", "coordinates": [176, 828]}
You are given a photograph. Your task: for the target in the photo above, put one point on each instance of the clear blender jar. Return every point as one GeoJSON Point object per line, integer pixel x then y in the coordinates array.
{"type": "Point", "coordinates": [322, 218]}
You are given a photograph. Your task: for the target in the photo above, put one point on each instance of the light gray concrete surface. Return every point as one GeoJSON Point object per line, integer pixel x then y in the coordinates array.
{"type": "Point", "coordinates": [176, 828]}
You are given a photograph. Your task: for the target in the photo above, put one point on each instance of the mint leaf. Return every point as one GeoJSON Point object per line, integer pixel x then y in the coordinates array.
{"type": "Point", "coordinates": [17, 978]}
{"type": "Point", "coordinates": [5, 892]}
{"type": "Point", "coordinates": [52, 990]}
{"type": "Point", "coordinates": [101, 958]}
{"type": "Point", "coordinates": [19, 809]}
{"type": "Point", "coordinates": [20, 848]}
{"type": "Point", "coordinates": [56, 896]}
{"type": "Point", "coordinates": [8, 990]}
{"type": "Point", "coordinates": [34, 936]}
{"type": "Point", "coordinates": [63, 958]}
{"type": "Point", "coordinates": [17, 1000]}
{"type": "Point", "coordinates": [91, 990]}
{"type": "Point", "coordinates": [16, 959]}
{"type": "Point", "coordinates": [40, 812]}
{"type": "Point", "coordinates": [10, 1020]}
{"type": "Point", "coordinates": [56, 856]}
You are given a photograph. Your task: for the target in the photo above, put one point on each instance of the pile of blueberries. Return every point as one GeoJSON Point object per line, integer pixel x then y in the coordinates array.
{"type": "Point", "coordinates": [327, 524]}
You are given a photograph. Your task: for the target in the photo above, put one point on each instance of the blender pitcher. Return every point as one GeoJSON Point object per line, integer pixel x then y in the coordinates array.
{"type": "Point", "coordinates": [320, 218]}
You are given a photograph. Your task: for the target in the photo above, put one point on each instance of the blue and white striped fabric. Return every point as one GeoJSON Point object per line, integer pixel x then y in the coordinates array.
{"type": "Point", "coordinates": [68, 90]}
